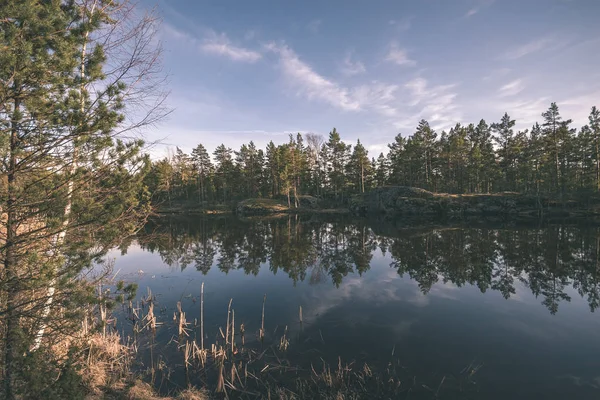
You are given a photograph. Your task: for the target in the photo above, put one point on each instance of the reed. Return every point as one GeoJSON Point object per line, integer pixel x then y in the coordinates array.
{"type": "Point", "coordinates": [227, 327]}
{"type": "Point", "coordinates": [284, 342]}
{"type": "Point", "coordinates": [262, 324]}
{"type": "Point", "coordinates": [260, 371]}
{"type": "Point", "coordinates": [242, 334]}
{"type": "Point", "coordinates": [182, 324]}
{"type": "Point", "coordinates": [202, 317]}
{"type": "Point", "coordinates": [232, 330]}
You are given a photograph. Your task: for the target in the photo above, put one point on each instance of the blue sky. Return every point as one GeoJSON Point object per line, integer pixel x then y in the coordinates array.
{"type": "Point", "coordinates": [258, 70]}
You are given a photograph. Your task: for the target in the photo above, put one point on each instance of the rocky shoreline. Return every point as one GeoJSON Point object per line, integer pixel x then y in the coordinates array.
{"type": "Point", "coordinates": [414, 202]}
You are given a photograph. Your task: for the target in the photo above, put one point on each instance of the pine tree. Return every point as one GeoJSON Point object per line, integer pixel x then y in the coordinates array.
{"type": "Point", "coordinates": [203, 167]}
{"type": "Point", "coordinates": [224, 170]}
{"type": "Point", "coordinates": [504, 136]}
{"type": "Point", "coordinates": [74, 184]}
{"type": "Point", "coordinates": [273, 165]}
{"type": "Point", "coordinates": [397, 170]}
{"type": "Point", "coordinates": [337, 158]}
{"type": "Point", "coordinates": [360, 166]}
{"type": "Point", "coordinates": [594, 126]}
{"type": "Point", "coordinates": [381, 170]}
{"type": "Point", "coordinates": [556, 135]}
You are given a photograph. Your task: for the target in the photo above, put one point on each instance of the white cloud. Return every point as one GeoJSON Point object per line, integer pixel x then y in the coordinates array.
{"type": "Point", "coordinates": [399, 56]}
{"type": "Point", "coordinates": [219, 44]}
{"type": "Point", "coordinates": [213, 43]}
{"type": "Point", "coordinates": [528, 48]}
{"type": "Point", "coordinates": [309, 83]}
{"type": "Point", "coordinates": [402, 24]}
{"type": "Point", "coordinates": [437, 103]}
{"type": "Point", "coordinates": [378, 97]}
{"type": "Point", "coordinates": [481, 4]}
{"type": "Point", "coordinates": [511, 88]}
{"type": "Point", "coordinates": [497, 73]}
{"type": "Point", "coordinates": [577, 107]}
{"type": "Point", "coordinates": [472, 12]}
{"type": "Point", "coordinates": [350, 67]}
{"type": "Point", "coordinates": [314, 26]}
{"type": "Point", "coordinates": [387, 103]}
{"type": "Point", "coordinates": [526, 112]}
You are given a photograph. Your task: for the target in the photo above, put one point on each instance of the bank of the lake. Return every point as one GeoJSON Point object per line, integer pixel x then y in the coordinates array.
{"type": "Point", "coordinates": [406, 201]}
{"type": "Point", "coordinates": [257, 207]}
{"type": "Point", "coordinates": [409, 202]}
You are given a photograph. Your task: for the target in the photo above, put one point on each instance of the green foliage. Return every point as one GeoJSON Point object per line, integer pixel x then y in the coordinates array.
{"type": "Point", "coordinates": [482, 158]}
{"type": "Point", "coordinates": [50, 379]}
{"type": "Point", "coordinates": [73, 185]}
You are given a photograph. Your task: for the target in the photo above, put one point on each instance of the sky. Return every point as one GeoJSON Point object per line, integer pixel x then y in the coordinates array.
{"type": "Point", "coordinates": [259, 70]}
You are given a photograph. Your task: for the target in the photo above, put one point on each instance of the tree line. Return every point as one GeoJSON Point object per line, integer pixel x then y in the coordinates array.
{"type": "Point", "coordinates": [551, 157]}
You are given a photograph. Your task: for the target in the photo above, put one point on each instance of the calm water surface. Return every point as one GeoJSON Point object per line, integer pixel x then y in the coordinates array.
{"type": "Point", "coordinates": [517, 304]}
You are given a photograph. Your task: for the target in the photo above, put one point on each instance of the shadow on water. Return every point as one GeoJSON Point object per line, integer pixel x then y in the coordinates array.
{"type": "Point", "coordinates": [436, 303]}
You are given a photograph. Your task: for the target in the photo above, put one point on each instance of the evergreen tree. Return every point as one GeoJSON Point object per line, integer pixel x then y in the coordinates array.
{"type": "Point", "coordinates": [224, 170]}
{"type": "Point", "coordinates": [381, 170]}
{"type": "Point", "coordinates": [337, 157]}
{"type": "Point", "coordinates": [360, 167]}
{"type": "Point", "coordinates": [73, 181]}
{"type": "Point", "coordinates": [273, 165]}
{"type": "Point", "coordinates": [203, 167]}
{"type": "Point", "coordinates": [482, 160]}
{"type": "Point", "coordinates": [396, 161]}
{"type": "Point", "coordinates": [504, 137]}
{"type": "Point", "coordinates": [594, 130]}
{"type": "Point", "coordinates": [557, 136]}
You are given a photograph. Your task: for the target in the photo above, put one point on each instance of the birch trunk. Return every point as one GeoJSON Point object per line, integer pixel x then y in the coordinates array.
{"type": "Point", "coordinates": [60, 237]}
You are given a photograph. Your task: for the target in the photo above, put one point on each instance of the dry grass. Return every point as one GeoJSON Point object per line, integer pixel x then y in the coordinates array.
{"type": "Point", "coordinates": [107, 362]}
{"type": "Point", "coordinates": [143, 391]}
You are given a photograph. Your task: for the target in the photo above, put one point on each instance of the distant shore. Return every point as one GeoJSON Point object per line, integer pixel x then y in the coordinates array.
{"type": "Point", "coordinates": [396, 201]}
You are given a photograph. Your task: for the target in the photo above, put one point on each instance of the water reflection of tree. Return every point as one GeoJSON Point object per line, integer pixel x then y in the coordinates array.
{"type": "Point", "coordinates": [546, 260]}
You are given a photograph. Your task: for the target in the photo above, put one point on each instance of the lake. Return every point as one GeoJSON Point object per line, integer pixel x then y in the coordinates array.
{"type": "Point", "coordinates": [473, 311]}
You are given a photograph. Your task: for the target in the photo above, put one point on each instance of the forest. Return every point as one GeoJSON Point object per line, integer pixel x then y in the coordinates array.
{"type": "Point", "coordinates": [551, 157]}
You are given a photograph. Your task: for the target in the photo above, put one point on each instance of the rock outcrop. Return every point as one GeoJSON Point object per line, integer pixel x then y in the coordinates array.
{"type": "Point", "coordinates": [409, 201]}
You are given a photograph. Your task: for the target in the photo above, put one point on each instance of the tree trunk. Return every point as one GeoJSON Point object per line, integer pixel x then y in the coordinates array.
{"type": "Point", "coordinates": [202, 188]}
{"type": "Point", "coordinates": [10, 265]}
{"type": "Point", "coordinates": [597, 166]}
{"type": "Point", "coordinates": [296, 202]}
{"type": "Point", "coordinates": [362, 178]}
{"type": "Point", "coordinates": [60, 238]}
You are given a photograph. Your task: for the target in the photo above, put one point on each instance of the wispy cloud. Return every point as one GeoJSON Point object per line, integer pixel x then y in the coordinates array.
{"type": "Point", "coordinates": [511, 88]}
{"type": "Point", "coordinates": [437, 103]}
{"type": "Point", "coordinates": [377, 96]}
{"type": "Point", "coordinates": [399, 56]}
{"type": "Point", "coordinates": [481, 4]}
{"type": "Point", "coordinates": [472, 12]}
{"type": "Point", "coordinates": [350, 68]}
{"type": "Point", "coordinates": [402, 24]}
{"type": "Point", "coordinates": [314, 26]}
{"type": "Point", "coordinates": [219, 44]}
{"type": "Point", "coordinates": [525, 111]}
{"type": "Point", "coordinates": [308, 82]}
{"type": "Point", "coordinates": [496, 73]}
{"type": "Point", "coordinates": [528, 48]}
